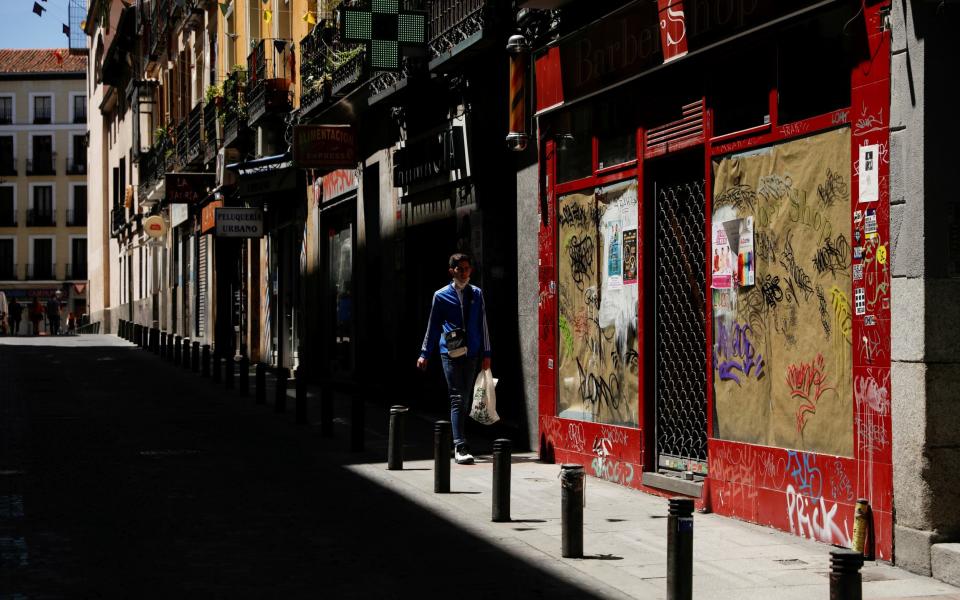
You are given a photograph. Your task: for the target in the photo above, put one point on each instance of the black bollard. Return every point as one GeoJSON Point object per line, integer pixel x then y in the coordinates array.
{"type": "Point", "coordinates": [185, 354]}
{"type": "Point", "coordinates": [680, 549]}
{"type": "Point", "coordinates": [205, 361]}
{"type": "Point", "coordinates": [155, 340]}
{"type": "Point", "coordinates": [136, 334]}
{"type": "Point", "coordinates": [261, 383]}
{"type": "Point", "coordinates": [169, 351]}
{"type": "Point", "coordinates": [177, 350]}
{"type": "Point", "coordinates": [326, 410]}
{"type": "Point", "coordinates": [300, 383]}
{"type": "Point", "coordinates": [395, 439]}
{"type": "Point", "coordinates": [228, 368]}
{"type": "Point", "coordinates": [280, 392]}
{"type": "Point", "coordinates": [571, 510]}
{"type": "Point", "coordinates": [845, 581]}
{"type": "Point", "coordinates": [244, 366]}
{"type": "Point", "coordinates": [357, 419]}
{"type": "Point", "coordinates": [217, 366]}
{"type": "Point", "coordinates": [501, 480]}
{"type": "Point", "coordinates": [441, 457]}
{"type": "Point", "coordinates": [195, 357]}
{"type": "Point", "coordinates": [163, 345]}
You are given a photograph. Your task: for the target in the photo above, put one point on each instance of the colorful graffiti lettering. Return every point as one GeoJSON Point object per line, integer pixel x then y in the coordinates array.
{"type": "Point", "coordinates": [840, 486]}
{"type": "Point", "coordinates": [872, 394]}
{"type": "Point", "coordinates": [609, 469]}
{"type": "Point", "coordinates": [812, 519]}
{"type": "Point", "coordinates": [807, 383]}
{"type": "Point", "coordinates": [736, 353]}
{"type": "Point", "coordinates": [575, 437]}
{"type": "Point", "coordinates": [802, 468]}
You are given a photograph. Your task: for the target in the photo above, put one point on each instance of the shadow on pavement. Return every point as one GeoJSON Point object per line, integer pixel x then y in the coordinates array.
{"type": "Point", "coordinates": [122, 475]}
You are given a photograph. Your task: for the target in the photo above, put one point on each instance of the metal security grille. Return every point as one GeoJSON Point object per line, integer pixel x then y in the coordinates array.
{"type": "Point", "coordinates": [202, 285]}
{"type": "Point", "coordinates": [681, 393]}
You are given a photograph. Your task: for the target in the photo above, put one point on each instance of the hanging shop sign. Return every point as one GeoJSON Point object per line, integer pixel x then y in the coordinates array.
{"type": "Point", "coordinates": [208, 218]}
{"type": "Point", "coordinates": [154, 226]}
{"type": "Point", "coordinates": [440, 154]}
{"type": "Point", "coordinates": [324, 147]}
{"type": "Point", "coordinates": [187, 188]}
{"type": "Point", "coordinates": [239, 222]}
{"type": "Point", "coordinates": [179, 213]}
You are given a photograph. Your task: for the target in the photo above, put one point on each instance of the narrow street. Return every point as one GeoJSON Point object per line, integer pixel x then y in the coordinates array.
{"type": "Point", "coordinates": [124, 476]}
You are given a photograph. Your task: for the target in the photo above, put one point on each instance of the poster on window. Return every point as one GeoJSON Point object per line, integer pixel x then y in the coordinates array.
{"type": "Point", "coordinates": [630, 256]}
{"type": "Point", "coordinates": [745, 258]}
{"type": "Point", "coordinates": [614, 252]}
{"type": "Point", "coordinates": [722, 263]}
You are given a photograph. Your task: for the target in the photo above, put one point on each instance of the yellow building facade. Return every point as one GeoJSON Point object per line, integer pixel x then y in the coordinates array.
{"type": "Point", "coordinates": [43, 181]}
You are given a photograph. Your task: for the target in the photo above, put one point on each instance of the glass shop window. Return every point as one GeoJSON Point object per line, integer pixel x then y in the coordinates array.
{"type": "Point", "coordinates": [738, 89]}
{"type": "Point", "coordinates": [813, 68]}
{"type": "Point", "coordinates": [574, 143]}
{"type": "Point", "coordinates": [617, 133]}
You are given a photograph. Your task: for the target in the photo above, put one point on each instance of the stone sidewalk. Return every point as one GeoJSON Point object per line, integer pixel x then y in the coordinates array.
{"type": "Point", "coordinates": [625, 538]}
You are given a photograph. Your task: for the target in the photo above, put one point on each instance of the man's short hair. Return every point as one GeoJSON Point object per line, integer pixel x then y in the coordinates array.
{"type": "Point", "coordinates": [457, 258]}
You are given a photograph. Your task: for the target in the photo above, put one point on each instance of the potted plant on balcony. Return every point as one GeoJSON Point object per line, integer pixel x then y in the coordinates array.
{"type": "Point", "coordinates": [214, 94]}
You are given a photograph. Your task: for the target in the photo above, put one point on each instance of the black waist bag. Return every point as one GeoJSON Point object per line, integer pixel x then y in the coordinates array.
{"type": "Point", "coordinates": [456, 339]}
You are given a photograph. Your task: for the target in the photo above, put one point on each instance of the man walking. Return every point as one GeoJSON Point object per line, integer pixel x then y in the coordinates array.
{"type": "Point", "coordinates": [16, 313]}
{"type": "Point", "coordinates": [53, 313]}
{"type": "Point", "coordinates": [458, 324]}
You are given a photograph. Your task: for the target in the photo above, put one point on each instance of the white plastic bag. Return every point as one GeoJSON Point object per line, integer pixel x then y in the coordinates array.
{"type": "Point", "coordinates": [484, 408]}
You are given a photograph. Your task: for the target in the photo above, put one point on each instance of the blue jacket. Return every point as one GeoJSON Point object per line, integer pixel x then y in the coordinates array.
{"type": "Point", "coordinates": [446, 314]}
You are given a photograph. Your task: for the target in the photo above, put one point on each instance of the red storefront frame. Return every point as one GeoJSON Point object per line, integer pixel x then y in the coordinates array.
{"type": "Point", "coordinates": [809, 493]}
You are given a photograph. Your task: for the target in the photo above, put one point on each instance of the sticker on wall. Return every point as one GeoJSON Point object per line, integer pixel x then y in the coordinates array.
{"type": "Point", "coordinates": [858, 251]}
{"type": "Point", "coordinates": [745, 257]}
{"type": "Point", "coordinates": [882, 255]}
{"type": "Point", "coordinates": [858, 272]}
{"type": "Point", "coordinates": [630, 256]}
{"type": "Point", "coordinates": [860, 301]}
{"type": "Point", "coordinates": [614, 259]}
{"type": "Point", "coordinates": [870, 320]}
{"type": "Point", "coordinates": [858, 216]}
{"type": "Point", "coordinates": [868, 174]}
{"type": "Point", "coordinates": [870, 223]}
{"type": "Point", "coordinates": [722, 259]}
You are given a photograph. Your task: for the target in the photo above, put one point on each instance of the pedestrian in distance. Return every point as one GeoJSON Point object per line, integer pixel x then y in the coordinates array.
{"type": "Point", "coordinates": [16, 314]}
{"type": "Point", "coordinates": [4, 314]}
{"type": "Point", "coordinates": [71, 323]}
{"type": "Point", "coordinates": [36, 315]}
{"type": "Point", "coordinates": [458, 326]}
{"type": "Point", "coordinates": [53, 313]}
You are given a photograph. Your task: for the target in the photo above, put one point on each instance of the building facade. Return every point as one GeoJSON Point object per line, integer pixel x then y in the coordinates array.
{"type": "Point", "coordinates": [728, 306]}
{"type": "Point", "coordinates": [43, 163]}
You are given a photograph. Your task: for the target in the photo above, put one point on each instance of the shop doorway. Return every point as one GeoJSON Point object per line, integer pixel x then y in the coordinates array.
{"type": "Point", "coordinates": [338, 306]}
{"type": "Point", "coordinates": [676, 225]}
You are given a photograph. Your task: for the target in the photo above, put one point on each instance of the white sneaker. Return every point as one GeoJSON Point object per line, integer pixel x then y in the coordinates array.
{"type": "Point", "coordinates": [462, 455]}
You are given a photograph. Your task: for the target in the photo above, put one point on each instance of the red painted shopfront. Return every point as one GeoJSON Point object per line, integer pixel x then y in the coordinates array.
{"type": "Point", "coordinates": [714, 281]}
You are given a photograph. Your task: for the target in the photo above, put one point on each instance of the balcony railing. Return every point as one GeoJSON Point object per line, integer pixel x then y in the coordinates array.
{"type": "Point", "coordinates": [41, 270]}
{"type": "Point", "coordinates": [41, 119]}
{"type": "Point", "coordinates": [76, 218]}
{"type": "Point", "coordinates": [183, 141]}
{"type": "Point", "coordinates": [269, 66]}
{"type": "Point", "coordinates": [235, 107]}
{"type": "Point", "coordinates": [194, 135]}
{"type": "Point", "coordinates": [8, 218]}
{"type": "Point", "coordinates": [452, 22]}
{"type": "Point", "coordinates": [80, 116]}
{"type": "Point", "coordinates": [6, 119]}
{"type": "Point", "coordinates": [40, 218]}
{"type": "Point", "coordinates": [76, 271]}
{"type": "Point", "coordinates": [350, 73]}
{"type": "Point", "coordinates": [314, 78]}
{"type": "Point", "coordinates": [211, 127]}
{"type": "Point", "coordinates": [9, 272]}
{"type": "Point", "coordinates": [42, 165]}
{"type": "Point", "coordinates": [8, 165]}
{"type": "Point", "coordinates": [76, 165]}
